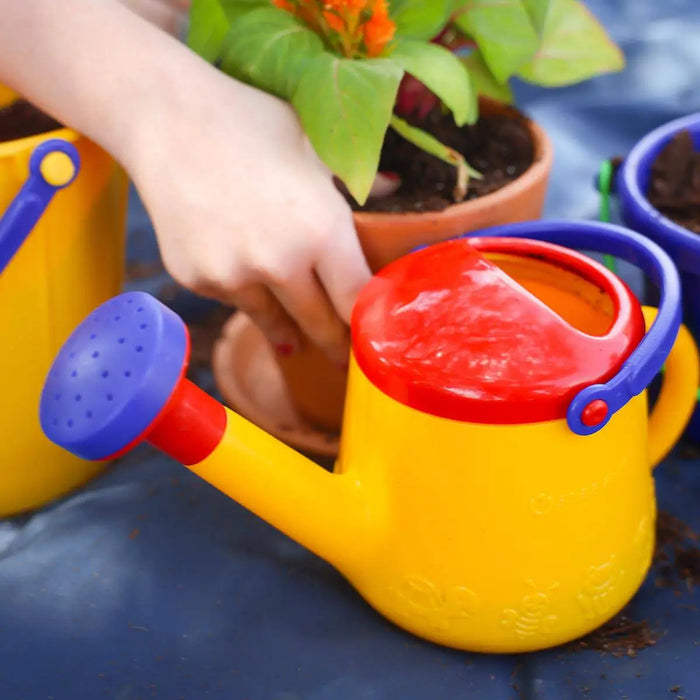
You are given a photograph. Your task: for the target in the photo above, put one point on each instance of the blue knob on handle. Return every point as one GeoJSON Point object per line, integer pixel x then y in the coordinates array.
{"type": "Point", "coordinates": [54, 164]}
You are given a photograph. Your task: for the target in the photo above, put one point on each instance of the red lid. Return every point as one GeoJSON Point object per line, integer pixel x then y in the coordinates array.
{"type": "Point", "coordinates": [446, 331]}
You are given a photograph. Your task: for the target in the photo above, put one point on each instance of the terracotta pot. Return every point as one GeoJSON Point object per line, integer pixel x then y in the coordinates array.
{"type": "Point", "coordinates": [316, 386]}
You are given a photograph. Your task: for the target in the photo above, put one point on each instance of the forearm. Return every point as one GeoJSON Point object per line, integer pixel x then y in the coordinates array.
{"type": "Point", "coordinates": [93, 64]}
{"type": "Point", "coordinates": [169, 15]}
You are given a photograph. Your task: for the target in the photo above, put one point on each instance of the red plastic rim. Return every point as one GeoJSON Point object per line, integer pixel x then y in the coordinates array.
{"type": "Point", "coordinates": [445, 331]}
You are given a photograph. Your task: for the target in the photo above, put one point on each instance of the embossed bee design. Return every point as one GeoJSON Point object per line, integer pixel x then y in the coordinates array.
{"type": "Point", "coordinates": [532, 617]}
{"type": "Point", "coordinates": [440, 606]}
{"type": "Point", "coordinates": [599, 585]}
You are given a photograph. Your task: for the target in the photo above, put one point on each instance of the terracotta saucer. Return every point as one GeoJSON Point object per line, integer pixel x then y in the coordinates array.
{"type": "Point", "coordinates": [251, 384]}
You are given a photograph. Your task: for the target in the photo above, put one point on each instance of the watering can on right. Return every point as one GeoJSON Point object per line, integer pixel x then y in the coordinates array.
{"type": "Point", "coordinates": [494, 489]}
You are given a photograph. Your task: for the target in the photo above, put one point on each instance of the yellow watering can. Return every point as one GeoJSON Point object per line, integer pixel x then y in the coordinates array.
{"type": "Point", "coordinates": [7, 96]}
{"type": "Point", "coordinates": [63, 201]}
{"type": "Point", "coordinates": [493, 490]}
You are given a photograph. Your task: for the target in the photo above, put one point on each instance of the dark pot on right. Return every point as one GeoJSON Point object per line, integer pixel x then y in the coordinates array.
{"type": "Point", "coordinates": [680, 243]}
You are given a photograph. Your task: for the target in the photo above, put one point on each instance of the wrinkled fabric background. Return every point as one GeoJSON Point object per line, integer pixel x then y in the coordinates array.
{"type": "Point", "coordinates": [150, 584]}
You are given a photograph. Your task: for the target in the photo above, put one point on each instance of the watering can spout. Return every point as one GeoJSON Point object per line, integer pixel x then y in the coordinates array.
{"type": "Point", "coordinates": [120, 380]}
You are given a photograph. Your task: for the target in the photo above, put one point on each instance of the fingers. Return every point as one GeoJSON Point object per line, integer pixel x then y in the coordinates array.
{"type": "Point", "coordinates": [343, 270]}
{"type": "Point", "coordinates": [267, 313]}
{"type": "Point", "coordinates": [285, 299]}
{"type": "Point", "coordinates": [286, 311]}
{"type": "Point", "coordinates": [306, 301]}
{"type": "Point", "coordinates": [385, 184]}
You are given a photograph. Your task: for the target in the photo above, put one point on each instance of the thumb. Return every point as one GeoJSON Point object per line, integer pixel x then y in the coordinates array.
{"type": "Point", "coordinates": [343, 270]}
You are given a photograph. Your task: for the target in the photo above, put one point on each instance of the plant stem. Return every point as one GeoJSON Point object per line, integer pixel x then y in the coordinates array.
{"type": "Point", "coordinates": [431, 145]}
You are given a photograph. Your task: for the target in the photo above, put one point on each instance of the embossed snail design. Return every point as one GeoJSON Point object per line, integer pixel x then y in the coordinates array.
{"type": "Point", "coordinates": [493, 490]}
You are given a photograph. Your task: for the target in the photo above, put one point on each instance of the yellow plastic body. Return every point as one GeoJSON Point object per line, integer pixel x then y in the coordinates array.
{"type": "Point", "coordinates": [7, 96]}
{"type": "Point", "coordinates": [491, 538]}
{"type": "Point", "coordinates": [71, 262]}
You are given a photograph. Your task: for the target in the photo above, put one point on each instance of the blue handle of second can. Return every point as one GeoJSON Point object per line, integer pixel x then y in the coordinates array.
{"type": "Point", "coordinates": [34, 196]}
{"type": "Point", "coordinates": [649, 356]}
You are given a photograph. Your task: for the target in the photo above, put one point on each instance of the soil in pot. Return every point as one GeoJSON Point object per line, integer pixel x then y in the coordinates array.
{"type": "Point", "coordinates": [499, 146]}
{"type": "Point", "coordinates": [20, 119]}
{"type": "Point", "coordinates": [674, 187]}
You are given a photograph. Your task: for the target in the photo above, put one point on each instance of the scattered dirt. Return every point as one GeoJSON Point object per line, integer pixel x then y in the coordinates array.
{"type": "Point", "coordinates": [677, 557]}
{"type": "Point", "coordinates": [674, 188]}
{"type": "Point", "coordinates": [21, 119]}
{"type": "Point", "coordinates": [499, 146]}
{"type": "Point", "coordinates": [619, 637]}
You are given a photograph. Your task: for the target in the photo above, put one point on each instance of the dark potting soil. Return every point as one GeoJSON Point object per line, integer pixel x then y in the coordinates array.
{"type": "Point", "coordinates": [21, 119]}
{"type": "Point", "coordinates": [499, 146]}
{"type": "Point", "coordinates": [674, 188]}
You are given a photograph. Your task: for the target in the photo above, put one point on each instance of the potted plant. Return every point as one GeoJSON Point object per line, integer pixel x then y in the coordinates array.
{"type": "Point", "coordinates": [414, 83]}
{"type": "Point", "coordinates": [72, 260]}
{"type": "Point", "coordinates": [658, 186]}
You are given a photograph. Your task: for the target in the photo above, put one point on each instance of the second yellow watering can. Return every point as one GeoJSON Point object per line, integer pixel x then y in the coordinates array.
{"type": "Point", "coordinates": [58, 260]}
{"type": "Point", "coordinates": [493, 490]}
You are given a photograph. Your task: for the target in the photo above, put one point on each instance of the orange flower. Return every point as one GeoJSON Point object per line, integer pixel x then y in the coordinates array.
{"type": "Point", "coordinates": [335, 22]}
{"type": "Point", "coordinates": [304, 9]}
{"type": "Point", "coordinates": [355, 28]}
{"type": "Point", "coordinates": [346, 6]}
{"type": "Point", "coordinates": [378, 29]}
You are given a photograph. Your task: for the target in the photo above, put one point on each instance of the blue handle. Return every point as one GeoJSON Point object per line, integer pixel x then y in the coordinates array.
{"type": "Point", "coordinates": [649, 356]}
{"type": "Point", "coordinates": [33, 198]}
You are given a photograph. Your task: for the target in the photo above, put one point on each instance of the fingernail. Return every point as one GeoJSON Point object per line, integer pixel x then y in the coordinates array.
{"type": "Point", "coordinates": [284, 349]}
{"type": "Point", "coordinates": [395, 177]}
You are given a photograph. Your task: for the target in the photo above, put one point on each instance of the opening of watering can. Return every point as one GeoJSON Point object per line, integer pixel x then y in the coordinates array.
{"type": "Point", "coordinates": [494, 330]}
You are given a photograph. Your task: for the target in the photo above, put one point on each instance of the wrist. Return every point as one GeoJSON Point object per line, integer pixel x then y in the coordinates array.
{"type": "Point", "coordinates": [184, 96]}
{"type": "Point", "coordinates": [149, 96]}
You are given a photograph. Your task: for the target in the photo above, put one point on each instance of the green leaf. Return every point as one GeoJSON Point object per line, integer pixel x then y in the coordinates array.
{"type": "Point", "coordinates": [237, 8]}
{"type": "Point", "coordinates": [483, 79]}
{"type": "Point", "coordinates": [537, 11]}
{"type": "Point", "coordinates": [574, 47]}
{"type": "Point", "coordinates": [502, 31]}
{"type": "Point", "coordinates": [209, 20]}
{"type": "Point", "coordinates": [269, 48]}
{"type": "Point", "coordinates": [345, 106]}
{"type": "Point", "coordinates": [420, 19]}
{"type": "Point", "coordinates": [208, 25]}
{"type": "Point", "coordinates": [440, 71]}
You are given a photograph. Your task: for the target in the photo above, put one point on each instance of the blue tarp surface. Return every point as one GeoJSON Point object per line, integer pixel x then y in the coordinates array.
{"type": "Point", "coordinates": [148, 583]}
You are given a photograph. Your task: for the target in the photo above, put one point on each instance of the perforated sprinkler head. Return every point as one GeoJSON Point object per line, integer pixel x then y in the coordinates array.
{"type": "Point", "coordinates": [120, 380]}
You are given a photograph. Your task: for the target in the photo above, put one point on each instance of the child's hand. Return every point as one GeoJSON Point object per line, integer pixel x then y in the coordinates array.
{"type": "Point", "coordinates": [243, 208]}
{"type": "Point", "coordinates": [246, 213]}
